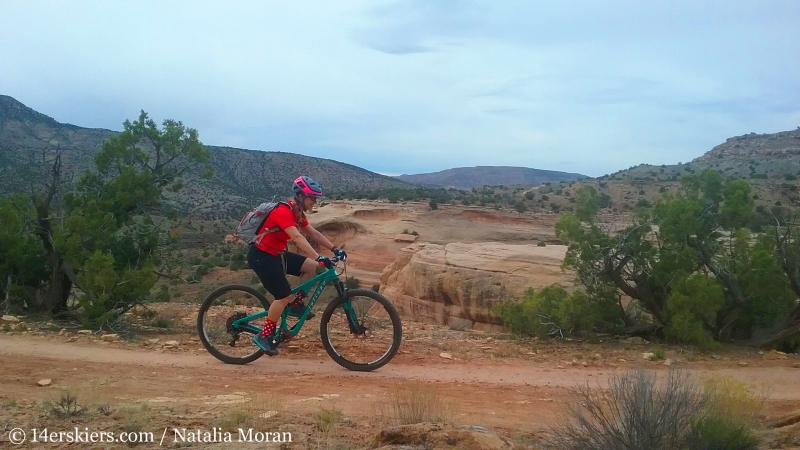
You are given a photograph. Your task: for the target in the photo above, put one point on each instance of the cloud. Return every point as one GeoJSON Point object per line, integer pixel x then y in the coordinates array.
{"type": "Point", "coordinates": [418, 86]}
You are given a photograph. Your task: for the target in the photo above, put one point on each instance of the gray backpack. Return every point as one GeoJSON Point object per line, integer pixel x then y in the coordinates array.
{"type": "Point", "coordinates": [254, 220]}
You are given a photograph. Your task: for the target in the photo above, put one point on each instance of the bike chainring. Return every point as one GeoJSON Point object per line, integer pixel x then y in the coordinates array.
{"type": "Point", "coordinates": [286, 336]}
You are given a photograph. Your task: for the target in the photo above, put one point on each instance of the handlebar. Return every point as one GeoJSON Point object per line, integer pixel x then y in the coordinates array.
{"type": "Point", "coordinates": [330, 263]}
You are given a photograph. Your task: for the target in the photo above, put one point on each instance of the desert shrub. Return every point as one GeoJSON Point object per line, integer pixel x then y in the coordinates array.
{"type": "Point", "coordinates": [541, 244]}
{"type": "Point", "coordinates": [550, 312]}
{"type": "Point", "coordinates": [162, 321]}
{"type": "Point", "coordinates": [376, 287]}
{"type": "Point", "coordinates": [433, 204]}
{"type": "Point", "coordinates": [163, 294]}
{"type": "Point", "coordinates": [66, 406]}
{"type": "Point", "coordinates": [635, 412]}
{"type": "Point", "coordinates": [236, 265]}
{"type": "Point", "coordinates": [728, 419]}
{"type": "Point", "coordinates": [352, 283]}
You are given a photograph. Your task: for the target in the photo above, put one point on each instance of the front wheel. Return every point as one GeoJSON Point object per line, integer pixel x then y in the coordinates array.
{"type": "Point", "coordinates": [361, 332]}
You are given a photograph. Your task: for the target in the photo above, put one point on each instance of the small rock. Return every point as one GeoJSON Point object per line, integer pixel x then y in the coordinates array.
{"type": "Point", "coordinates": [72, 339]}
{"type": "Point", "coordinates": [777, 355]}
{"type": "Point", "coordinates": [559, 367]}
{"type": "Point", "coordinates": [110, 337]}
{"type": "Point", "coordinates": [153, 341]}
{"type": "Point", "coordinates": [796, 365]}
{"type": "Point", "coordinates": [268, 414]}
{"type": "Point", "coordinates": [446, 355]}
{"type": "Point", "coordinates": [86, 332]}
{"type": "Point", "coordinates": [623, 360]}
{"type": "Point", "coordinates": [171, 344]}
{"type": "Point", "coordinates": [668, 362]}
{"type": "Point", "coordinates": [62, 332]}
{"type": "Point", "coordinates": [648, 356]}
{"type": "Point", "coordinates": [44, 382]}
{"type": "Point", "coordinates": [8, 319]}
{"type": "Point", "coordinates": [21, 326]}
{"type": "Point", "coordinates": [743, 363]}
{"type": "Point", "coordinates": [715, 356]}
{"type": "Point", "coordinates": [635, 341]}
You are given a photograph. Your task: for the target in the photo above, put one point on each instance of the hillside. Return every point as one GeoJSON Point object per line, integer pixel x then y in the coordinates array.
{"type": "Point", "coordinates": [774, 156]}
{"type": "Point", "coordinates": [241, 176]}
{"type": "Point", "coordinates": [470, 177]}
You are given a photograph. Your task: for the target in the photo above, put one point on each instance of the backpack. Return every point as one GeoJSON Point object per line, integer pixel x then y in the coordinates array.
{"type": "Point", "coordinates": [254, 220]}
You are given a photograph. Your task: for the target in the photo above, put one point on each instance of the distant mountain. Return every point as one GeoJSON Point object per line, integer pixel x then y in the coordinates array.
{"type": "Point", "coordinates": [28, 137]}
{"type": "Point", "coordinates": [470, 177]}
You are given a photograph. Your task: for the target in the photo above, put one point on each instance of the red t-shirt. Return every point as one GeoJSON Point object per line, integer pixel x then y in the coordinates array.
{"type": "Point", "coordinates": [283, 217]}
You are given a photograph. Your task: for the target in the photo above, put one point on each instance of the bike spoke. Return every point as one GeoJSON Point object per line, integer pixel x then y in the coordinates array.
{"type": "Point", "coordinates": [217, 323]}
{"type": "Point", "coordinates": [372, 337]}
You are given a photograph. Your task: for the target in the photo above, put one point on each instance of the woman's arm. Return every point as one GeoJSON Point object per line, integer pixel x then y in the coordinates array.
{"type": "Point", "coordinates": [301, 242]}
{"type": "Point", "coordinates": [318, 237]}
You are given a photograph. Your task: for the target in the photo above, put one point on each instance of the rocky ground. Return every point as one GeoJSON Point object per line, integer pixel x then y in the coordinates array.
{"type": "Point", "coordinates": [484, 390]}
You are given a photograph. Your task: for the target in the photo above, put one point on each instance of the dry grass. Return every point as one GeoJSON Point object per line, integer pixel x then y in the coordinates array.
{"type": "Point", "coordinates": [260, 412]}
{"type": "Point", "coordinates": [417, 403]}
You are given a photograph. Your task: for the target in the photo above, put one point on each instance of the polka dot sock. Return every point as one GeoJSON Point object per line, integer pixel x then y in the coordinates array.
{"type": "Point", "coordinates": [269, 328]}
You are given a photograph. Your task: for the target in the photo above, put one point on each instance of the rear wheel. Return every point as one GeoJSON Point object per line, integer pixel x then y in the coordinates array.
{"type": "Point", "coordinates": [368, 342]}
{"type": "Point", "coordinates": [229, 344]}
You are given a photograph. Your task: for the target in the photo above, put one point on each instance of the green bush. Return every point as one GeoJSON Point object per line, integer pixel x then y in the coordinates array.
{"type": "Point", "coordinates": [376, 287]}
{"type": "Point", "coordinates": [352, 283]}
{"type": "Point", "coordinates": [236, 265]}
{"type": "Point", "coordinates": [541, 244]}
{"type": "Point", "coordinates": [550, 312]}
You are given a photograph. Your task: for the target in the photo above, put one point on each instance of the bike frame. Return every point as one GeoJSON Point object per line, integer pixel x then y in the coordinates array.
{"type": "Point", "coordinates": [330, 275]}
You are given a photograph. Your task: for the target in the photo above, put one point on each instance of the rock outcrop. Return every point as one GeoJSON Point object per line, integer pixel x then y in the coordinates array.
{"type": "Point", "coordinates": [457, 284]}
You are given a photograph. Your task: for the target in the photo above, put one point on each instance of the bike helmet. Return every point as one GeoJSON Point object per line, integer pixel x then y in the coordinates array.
{"type": "Point", "coordinates": [307, 186]}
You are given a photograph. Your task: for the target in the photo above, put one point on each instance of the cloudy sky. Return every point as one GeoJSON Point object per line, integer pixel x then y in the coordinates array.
{"type": "Point", "coordinates": [419, 86]}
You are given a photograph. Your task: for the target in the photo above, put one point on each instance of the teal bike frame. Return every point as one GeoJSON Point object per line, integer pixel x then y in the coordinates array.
{"type": "Point", "coordinates": [320, 280]}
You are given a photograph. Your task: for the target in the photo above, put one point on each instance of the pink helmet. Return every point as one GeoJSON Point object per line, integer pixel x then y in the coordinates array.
{"type": "Point", "coordinates": [307, 186]}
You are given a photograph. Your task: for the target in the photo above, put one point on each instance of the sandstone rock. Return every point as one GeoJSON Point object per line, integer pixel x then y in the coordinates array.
{"type": "Point", "coordinates": [668, 362]}
{"type": "Point", "coordinates": [21, 326]}
{"type": "Point", "coordinates": [776, 355]}
{"type": "Point", "coordinates": [716, 357]}
{"type": "Point", "coordinates": [171, 344]}
{"type": "Point", "coordinates": [796, 365]}
{"type": "Point", "coordinates": [446, 355]}
{"type": "Point", "coordinates": [743, 363]}
{"type": "Point", "coordinates": [110, 337]}
{"type": "Point", "coordinates": [458, 284]}
{"type": "Point", "coordinates": [44, 382]}
{"type": "Point", "coordinates": [8, 319]}
{"type": "Point", "coordinates": [86, 332]}
{"type": "Point", "coordinates": [648, 356]}
{"type": "Point", "coordinates": [439, 436]}
{"type": "Point", "coordinates": [153, 341]}
{"type": "Point", "coordinates": [405, 238]}
{"type": "Point", "coordinates": [62, 332]}
{"type": "Point", "coordinates": [635, 340]}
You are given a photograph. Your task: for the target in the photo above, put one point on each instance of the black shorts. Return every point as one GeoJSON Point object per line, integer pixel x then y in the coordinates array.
{"type": "Point", "coordinates": [270, 270]}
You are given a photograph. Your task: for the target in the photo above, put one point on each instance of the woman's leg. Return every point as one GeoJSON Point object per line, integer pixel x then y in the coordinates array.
{"type": "Point", "coordinates": [269, 269]}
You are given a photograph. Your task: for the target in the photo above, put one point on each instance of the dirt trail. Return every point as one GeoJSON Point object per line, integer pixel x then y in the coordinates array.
{"type": "Point", "coordinates": [781, 381]}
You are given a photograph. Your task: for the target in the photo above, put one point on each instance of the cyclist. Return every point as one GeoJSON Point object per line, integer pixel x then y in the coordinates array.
{"type": "Point", "coordinates": [271, 262]}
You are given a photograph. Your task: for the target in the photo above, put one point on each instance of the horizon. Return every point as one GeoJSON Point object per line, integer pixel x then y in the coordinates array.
{"type": "Point", "coordinates": [408, 87]}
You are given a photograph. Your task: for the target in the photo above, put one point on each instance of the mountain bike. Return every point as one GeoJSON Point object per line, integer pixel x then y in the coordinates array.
{"type": "Point", "coordinates": [360, 329]}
